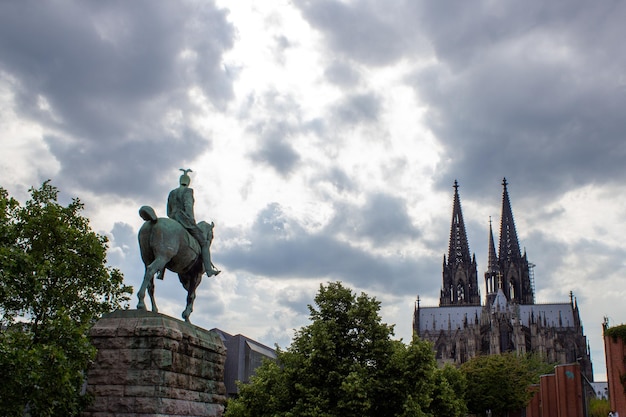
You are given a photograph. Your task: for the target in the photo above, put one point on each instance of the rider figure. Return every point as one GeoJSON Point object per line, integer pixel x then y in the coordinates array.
{"type": "Point", "coordinates": [180, 208]}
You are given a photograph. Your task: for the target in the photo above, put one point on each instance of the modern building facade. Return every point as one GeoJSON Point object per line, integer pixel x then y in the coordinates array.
{"type": "Point", "coordinates": [243, 357]}
{"type": "Point", "coordinates": [462, 327]}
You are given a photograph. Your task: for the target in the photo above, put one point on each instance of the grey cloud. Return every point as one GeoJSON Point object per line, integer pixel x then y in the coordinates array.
{"type": "Point", "coordinates": [382, 220]}
{"type": "Point", "coordinates": [278, 123]}
{"type": "Point", "coordinates": [368, 31]}
{"type": "Point", "coordinates": [208, 302]}
{"type": "Point", "coordinates": [271, 222]}
{"type": "Point", "coordinates": [529, 91]}
{"type": "Point", "coordinates": [338, 178]}
{"type": "Point", "coordinates": [281, 45]}
{"type": "Point", "coordinates": [124, 255]}
{"type": "Point", "coordinates": [602, 261]}
{"type": "Point", "coordinates": [342, 74]}
{"type": "Point", "coordinates": [124, 242]}
{"type": "Point", "coordinates": [548, 256]}
{"type": "Point", "coordinates": [280, 248]}
{"type": "Point", "coordinates": [110, 73]}
{"type": "Point", "coordinates": [532, 91]}
{"type": "Point", "coordinates": [296, 299]}
{"type": "Point", "coordinates": [358, 108]}
{"type": "Point", "coordinates": [125, 168]}
{"type": "Point", "coordinates": [462, 34]}
{"type": "Point", "coordinates": [279, 155]}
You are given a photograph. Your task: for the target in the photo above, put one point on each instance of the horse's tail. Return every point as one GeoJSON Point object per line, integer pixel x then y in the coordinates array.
{"type": "Point", "coordinates": [147, 213]}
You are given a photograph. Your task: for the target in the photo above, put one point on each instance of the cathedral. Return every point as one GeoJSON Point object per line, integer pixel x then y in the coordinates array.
{"type": "Point", "coordinates": [461, 327]}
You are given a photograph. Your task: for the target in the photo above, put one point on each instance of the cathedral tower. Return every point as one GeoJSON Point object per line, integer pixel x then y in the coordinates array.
{"type": "Point", "coordinates": [460, 282]}
{"type": "Point", "coordinates": [460, 328]}
{"type": "Point", "coordinates": [513, 268]}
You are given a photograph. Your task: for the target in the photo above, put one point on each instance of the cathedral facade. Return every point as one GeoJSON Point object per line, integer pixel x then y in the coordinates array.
{"type": "Point", "coordinates": [462, 327]}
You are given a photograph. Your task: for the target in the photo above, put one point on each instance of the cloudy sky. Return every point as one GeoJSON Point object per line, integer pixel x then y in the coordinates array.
{"type": "Point", "coordinates": [325, 137]}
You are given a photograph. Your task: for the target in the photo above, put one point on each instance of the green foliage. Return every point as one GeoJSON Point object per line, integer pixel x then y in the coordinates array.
{"type": "Point", "coordinates": [616, 332]}
{"type": "Point", "coordinates": [448, 399]}
{"type": "Point", "coordinates": [54, 285]}
{"type": "Point", "coordinates": [345, 364]}
{"type": "Point", "coordinates": [599, 407]}
{"type": "Point", "coordinates": [500, 382]}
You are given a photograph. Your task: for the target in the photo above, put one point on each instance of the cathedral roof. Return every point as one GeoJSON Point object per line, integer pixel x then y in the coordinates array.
{"type": "Point", "coordinates": [558, 315]}
{"type": "Point", "coordinates": [444, 318]}
{"type": "Point", "coordinates": [550, 315]}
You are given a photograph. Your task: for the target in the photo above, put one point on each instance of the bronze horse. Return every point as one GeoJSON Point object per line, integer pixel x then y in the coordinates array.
{"type": "Point", "coordinates": [164, 243]}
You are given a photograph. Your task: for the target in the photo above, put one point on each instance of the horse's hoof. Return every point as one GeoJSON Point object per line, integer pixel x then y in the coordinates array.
{"type": "Point", "coordinates": [141, 307]}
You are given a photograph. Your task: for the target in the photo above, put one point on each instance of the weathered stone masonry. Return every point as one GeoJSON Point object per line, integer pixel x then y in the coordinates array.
{"type": "Point", "coordinates": [149, 364]}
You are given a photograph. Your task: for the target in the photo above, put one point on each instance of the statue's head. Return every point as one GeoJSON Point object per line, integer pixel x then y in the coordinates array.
{"type": "Point", "coordinates": [185, 180]}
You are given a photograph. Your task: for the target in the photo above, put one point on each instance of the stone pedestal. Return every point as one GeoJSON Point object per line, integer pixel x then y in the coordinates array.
{"type": "Point", "coordinates": [149, 364]}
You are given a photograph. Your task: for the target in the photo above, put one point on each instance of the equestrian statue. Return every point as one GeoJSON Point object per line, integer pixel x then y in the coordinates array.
{"type": "Point", "coordinates": [177, 243]}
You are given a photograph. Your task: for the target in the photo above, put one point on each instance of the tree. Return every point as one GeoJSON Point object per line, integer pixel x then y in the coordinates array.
{"type": "Point", "coordinates": [448, 396]}
{"type": "Point", "coordinates": [500, 382]}
{"type": "Point", "coordinates": [54, 285]}
{"type": "Point", "coordinates": [599, 407]}
{"type": "Point", "coordinates": [346, 364]}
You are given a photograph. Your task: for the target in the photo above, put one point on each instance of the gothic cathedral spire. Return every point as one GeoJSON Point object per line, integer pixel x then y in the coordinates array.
{"type": "Point", "coordinates": [513, 267]}
{"type": "Point", "coordinates": [492, 276]}
{"type": "Point", "coordinates": [509, 244]}
{"type": "Point", "coordinates": [460, 284]}
{"type": "Point", "coordinates": [458, 249]}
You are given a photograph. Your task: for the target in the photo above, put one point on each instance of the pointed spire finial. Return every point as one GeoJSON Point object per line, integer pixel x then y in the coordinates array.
{"type": "Point", "coordinates": [509, 243]}
{"type": "Point", "coordinates": [492, 257]}
{"type": "Point", "coordinates": [458, 250]}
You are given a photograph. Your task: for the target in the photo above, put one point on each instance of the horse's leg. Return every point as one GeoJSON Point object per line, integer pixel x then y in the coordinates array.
{"type": "Point", "coordinates": [141, 294]}
{"type": "Point", "coordinates": [192, 284]}
{"type": "Point", "coordinates": [151, 294]}
{"type": "Point", "coordinates": [148, 283]}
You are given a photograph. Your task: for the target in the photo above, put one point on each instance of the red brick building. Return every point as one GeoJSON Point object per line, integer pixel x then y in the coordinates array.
{"type": "Point", "coordinates": [615, 353]}
{"type": "Point", "coordinates": [559, 394]}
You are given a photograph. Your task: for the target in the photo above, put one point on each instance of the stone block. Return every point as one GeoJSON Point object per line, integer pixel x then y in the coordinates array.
{"type": "Point", "coordinates": [147, 405]}
{"type": "Point", "coordinates": [149, 364]}
{"type": "Point", "coordinates": [104, 391]}
{"type": "Point", "coordinates": [161, 359]}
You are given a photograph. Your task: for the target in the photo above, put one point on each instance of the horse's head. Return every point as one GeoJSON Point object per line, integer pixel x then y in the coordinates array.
{"type": "Point", "coordinates": [207, 230]}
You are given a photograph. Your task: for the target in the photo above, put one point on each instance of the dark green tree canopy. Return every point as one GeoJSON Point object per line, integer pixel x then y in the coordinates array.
{"type": "Point", "coordinates": [500, 382]}
{"type": "Point", "coordinates": [54, 284]}
{"type": "Point", "coordinates": [346, 364]}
